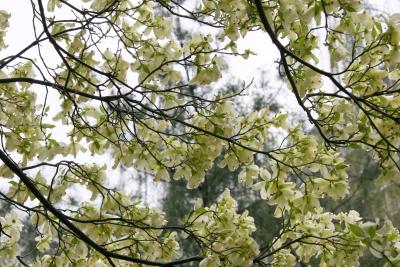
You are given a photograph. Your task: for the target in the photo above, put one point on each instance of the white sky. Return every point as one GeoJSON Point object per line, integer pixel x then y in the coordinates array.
{"type": "Point", "coordinates": [20, 34]}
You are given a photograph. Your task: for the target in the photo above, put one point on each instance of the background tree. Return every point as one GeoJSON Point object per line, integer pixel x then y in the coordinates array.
{"type": "Point", "coordinates": [112, 73]}
{"type": "Point", "coordinates": [179, 201]}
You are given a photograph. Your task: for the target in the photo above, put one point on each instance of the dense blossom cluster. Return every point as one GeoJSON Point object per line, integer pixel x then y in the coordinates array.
{"type": "Point", "coordinates": [121, 85]}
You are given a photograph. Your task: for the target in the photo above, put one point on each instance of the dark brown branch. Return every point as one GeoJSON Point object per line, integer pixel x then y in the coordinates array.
{"type": "Point", "coordinates": [64, 220]}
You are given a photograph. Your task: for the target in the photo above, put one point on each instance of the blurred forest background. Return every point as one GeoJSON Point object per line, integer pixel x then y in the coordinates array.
{"type": "Point", "coordinates": [371, 199]}
{"type": "Point", "coordinates": [366, 196]}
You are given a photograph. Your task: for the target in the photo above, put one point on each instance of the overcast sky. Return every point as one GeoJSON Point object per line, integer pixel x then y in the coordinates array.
{"type": "Point", "coordinates": [20, 34]}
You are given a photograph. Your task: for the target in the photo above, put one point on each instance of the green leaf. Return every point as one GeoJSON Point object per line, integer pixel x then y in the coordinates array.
{"type": "Point", "coordinates": [357, 230]}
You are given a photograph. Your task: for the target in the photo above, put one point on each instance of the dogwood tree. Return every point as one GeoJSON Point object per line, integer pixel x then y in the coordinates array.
{"type": "Point", "coordinates": [106, 76]}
